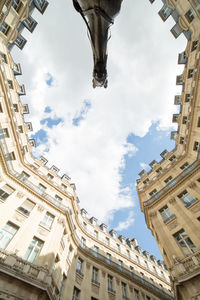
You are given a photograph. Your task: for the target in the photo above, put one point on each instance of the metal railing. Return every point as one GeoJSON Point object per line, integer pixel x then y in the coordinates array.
{"type": "Point", "coordinates": [177, 179]}
{"type": "Point", "coordinates": [103, 259]}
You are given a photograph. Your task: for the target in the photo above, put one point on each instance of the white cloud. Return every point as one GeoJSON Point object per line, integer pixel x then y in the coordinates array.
{"type": "Point", "coordinates": [123, 225]}
{"type": "Point", "coordinates": [144, 166]}
{"type": "Point", "coordinates": [141, 86]}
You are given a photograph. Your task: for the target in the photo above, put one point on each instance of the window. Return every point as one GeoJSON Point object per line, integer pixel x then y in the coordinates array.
{"type": "Point", "coordinates": [137, 296]}
{"type": "Point", "coordinates": [49, 176]}
{"type": "Point", "coordinates": [10, 84]}
{"type": "Point", "coordinates": [196, 146]}
{"type": "Point", "coordinates": [95, 272]}
{"type": "Point", "coordinates": [40, 3]}
{"type": "Point", "coordinates": [124, 290]}
{"type": "Point", "coordinates": [15, 108]}
{"type": "Point", "coordinates": [76, 294]}
{"type": "Point", "coordinates": [108, 257]}
{"type": "Point", "coordinates": [146, 264]}
{"type": "Point", "coordinates": [198, 123]}
{"type": "Point", "coordinates": [57, 200]}
{"type": "Point", "coordinates": [159, 170]}
{"type": "Point", "coordinates": [186, 198]}
{"type": "Point", "coordinates": [148, 298]}
{"type": "Point", "coordinates": [187, 98]}
{"type": "Point", "coordinates": [128, 253]}
{"type": "Point", "coordinates": [17, 4]}
{"type": "Point", "coordinates": [184, 120]}
{"type": "Point", "coordinates": [110, 283]}
{"type": "Point", "coordinates": [182, 140]}
{"type": "Point", "coordinates": [190, 15]}
{"type": "Point", "coordinates": [5, 28]}
{"type": "Point", "coordinates": [154, 194]}
{"type": "Point", "coordinates": [95, 251]}
{"type": "Point", "coordinates": [79, 266]}
{"type": "Point", "coordinates": [166, 214]}
{"type": "Point", "coordinates": [190, 73]}
{"type": "Point", "coordinates": [194, 45]}
{"type": "Point", "coordinates": [3, 58]}
{"type": "Point", "coordinates": [118, 247]}
{"type": "Point", "coordinates": [47, 220]}
{"type": "Point", "coordinates": [5, 192]}
{"type": "Point", "coordinates": [184, 166]}
{"type": "Point", "coordinates": [96, 234]}
{"type": "Point", "coordinates": [155, 270]}
{"type": "Point", "coordinates": [1, 109]}
{"type": "Point", "coordinates": [41, 188]}
{"type": "Point", "coordinates": [146, 181]}
{"type": "Point", "coordinates": [33, 250]}
{"type": "Point", "coordinates": [26, 207]}
{"type": "Point", "coordinates": [6, 234]}
{"type": "Point", "coordinates": [137, 258]}
{"type": "Point", "coordinates": [184, 242]}
{"type": "Point", "coordinates": [83, 242]}
{"type": "Point", "coordinates": [131, 270]}
{"type": "Point", "coordinates": [107, 241]}
{"type": "Point", "coordinates": [120, 265]}
{"type": "Point", "coordinates": [20, 129]}
{"type": "Point", "coordinates": [172, 158]}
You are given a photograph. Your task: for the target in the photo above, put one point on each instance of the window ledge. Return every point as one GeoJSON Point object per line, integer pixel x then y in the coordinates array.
{"type": "Point", "coordinates": [170, 220]}
{"type": "Point", "coordinates": [44, 227]}
{"type": "Point", "coordinates": [96, 283]}
{"type": "Point", "coordinates": [192, 204]}
{"type": "Point", "coordinates": [21, 213]}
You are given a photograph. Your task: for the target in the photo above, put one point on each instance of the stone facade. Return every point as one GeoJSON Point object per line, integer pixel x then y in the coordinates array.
{"type": "Point", "coordinates": [169, 193]}
{"type": "Point", "coordinates": [49, 249]}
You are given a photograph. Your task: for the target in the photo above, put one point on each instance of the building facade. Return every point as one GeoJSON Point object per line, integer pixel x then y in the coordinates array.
{"type": "Point", "coordinates": [49, 249]}
{"type": "Point", "coordinates": [169, 193]}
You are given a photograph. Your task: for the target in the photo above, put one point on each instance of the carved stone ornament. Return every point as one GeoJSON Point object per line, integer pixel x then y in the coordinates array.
{"type": "Point", "coordinates": [61, 220]}
{"type": "Point", "coordinates": [172, 200]}
{"type": "Point", "coordinates": [195, 208]}
{"type": "Point", "coordinates": [192, 185]}
{"type": "Point", "coordinates": [20, 195]}
{"type": "Point", "coordinates": [40, 207]}
{"type": "Point", "coordinates": [103, 273]}
{"type": "Point", "coordinates": [88, 265]}
{"type": "Point", "coordinates": [131, 288]}
{"type": "Point", "coordinates": [153, 214]}
{"type": "Point", "coordinates": [117, 281]}
{"type": "Point", "coordinates": [172, 224]}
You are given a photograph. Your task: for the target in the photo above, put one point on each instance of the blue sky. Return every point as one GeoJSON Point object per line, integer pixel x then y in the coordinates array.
{"type": "Point", "coordinates": [101, 137]}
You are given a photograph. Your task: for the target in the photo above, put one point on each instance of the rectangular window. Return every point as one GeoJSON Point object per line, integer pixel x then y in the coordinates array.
{"type": "Point", "coordinates": [110, 283]}
{"type": "Point", "coordinates": [41, 188]}
{"type": "Point", "coordinates": [79, 266]}
{"type": "Point", "coordinates": [5, 28]}
{"type": "Point", "coordinates": [33, 250]}
{"type": "Point", "coordinates": [107, 241]}
{"type": "Point", "coordinates": [76, 294]}
{"type": "Point", "coordinates": [6, 234]}
{"type": "Point", "coordinates": [194, 45]}
{"type": "Point", "coordinates": [17, 5]}
{"type": "Point", "coordinates": [184, 166]}
{"type": "Point", "coordinates": [57, 200]}
{"type": "Point", "coordinates": [96, 234]}
{"type": "Point", "coordinates": [83, 242]}
{"type": "Point", "coordinates": [187, 98]}
{"type": "Point", "coordinates": [137, 295]}
{"type": "Point", "coordinates": [124, 290]}
{"type": "Point", "coordinates": [190, 73]}
{"type": "Point", "coordinates": [190, 15]}
{"type": "Point", "coordinates": [196, 146]}
{"type": "Point", "coordinates": [47, 220]}
{"type": "Point", "coordinates": [186, 198]}
{"type": "Point", "coordinates": [159, 170]}
{"type": "Point", "coordinates": [172, 158]}
{"type": "Point", "coordinates": [1, 109]}
{"type": "Point", "coordinates": [10, 84]}
{"type": "Point", "coordinates": [166, 214]}
{"type": "Point", "coordinates": [120, 265]}
{"type": "Point", "coordinates": [108, 258]}
{"type": "Point", "coordinates": [184, 242]}
{"type": "Point", "coordinates": [95, 251]}
{"type": "Point", "coordinates": [26, 207]}
{"type": "Point", "coordinates": [95, 272]}
{"type": "Point", "coordinates": [182, 140]}
{"type": "Point", "coordinates": [3, 58]}
{"type": "Point", "coordinates": [198, 123]}
{"type": "Point", "coordinates": [15, 108]}
{"type": "Point", "coordinates": [49, 176]}
{"type": "Point", "coordinates": [184, 120]}
{"type": "Point", "coordinates": [5, 192]}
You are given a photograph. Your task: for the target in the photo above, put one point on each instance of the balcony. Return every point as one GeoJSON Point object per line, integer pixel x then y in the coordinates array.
{"type": "Point", "coordinates": [24, 211]}
{"type": "Point", "coordinates": [165, 12]}
{"type": "Point", "coordinates": [17, 69]}
{"type": "Point", "coordinates": [179, 80]}
{"type": "Point", "coordinates": [177, 100]}
{"type": "Point", "coordinates": [41, 5]}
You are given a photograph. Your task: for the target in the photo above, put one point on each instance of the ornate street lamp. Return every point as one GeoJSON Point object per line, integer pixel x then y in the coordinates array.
{"type": "Point", "coordinates": [99, 16]}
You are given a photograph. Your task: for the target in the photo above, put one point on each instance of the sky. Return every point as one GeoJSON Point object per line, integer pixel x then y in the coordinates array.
{"type": "Point", "coordinates": [102, 138]}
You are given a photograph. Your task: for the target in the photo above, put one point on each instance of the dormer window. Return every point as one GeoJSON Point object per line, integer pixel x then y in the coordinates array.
{"type": "Point", "coordinates": [83, 212]}
{"type": "Point", "coordinates": [146, 181]}
{"type": "Point", "coordinates": [159, 170]}
{"type": "Point", "coordinates": [93, 221]}
{"type": "Point", "coordinates": [172, 158]}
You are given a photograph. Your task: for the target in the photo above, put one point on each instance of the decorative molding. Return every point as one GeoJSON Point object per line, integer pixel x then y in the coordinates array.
{"type": "Point", "coordinates": [103, 273]}
{"type": "Point", "coordinates": [88, 265]}
{"type": "Point", "coordinates": [172, 200]}
{"type": "Point", "coordinates": [40, 208]}
{"type": "Point", "coordinates": [192, 185]}
{"type": "Point", "coordinates": [153, 214]}
{"type": "Point", "coordinates": [172, 224]}
{"type": "Point", "coordinates": [61, 220]}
